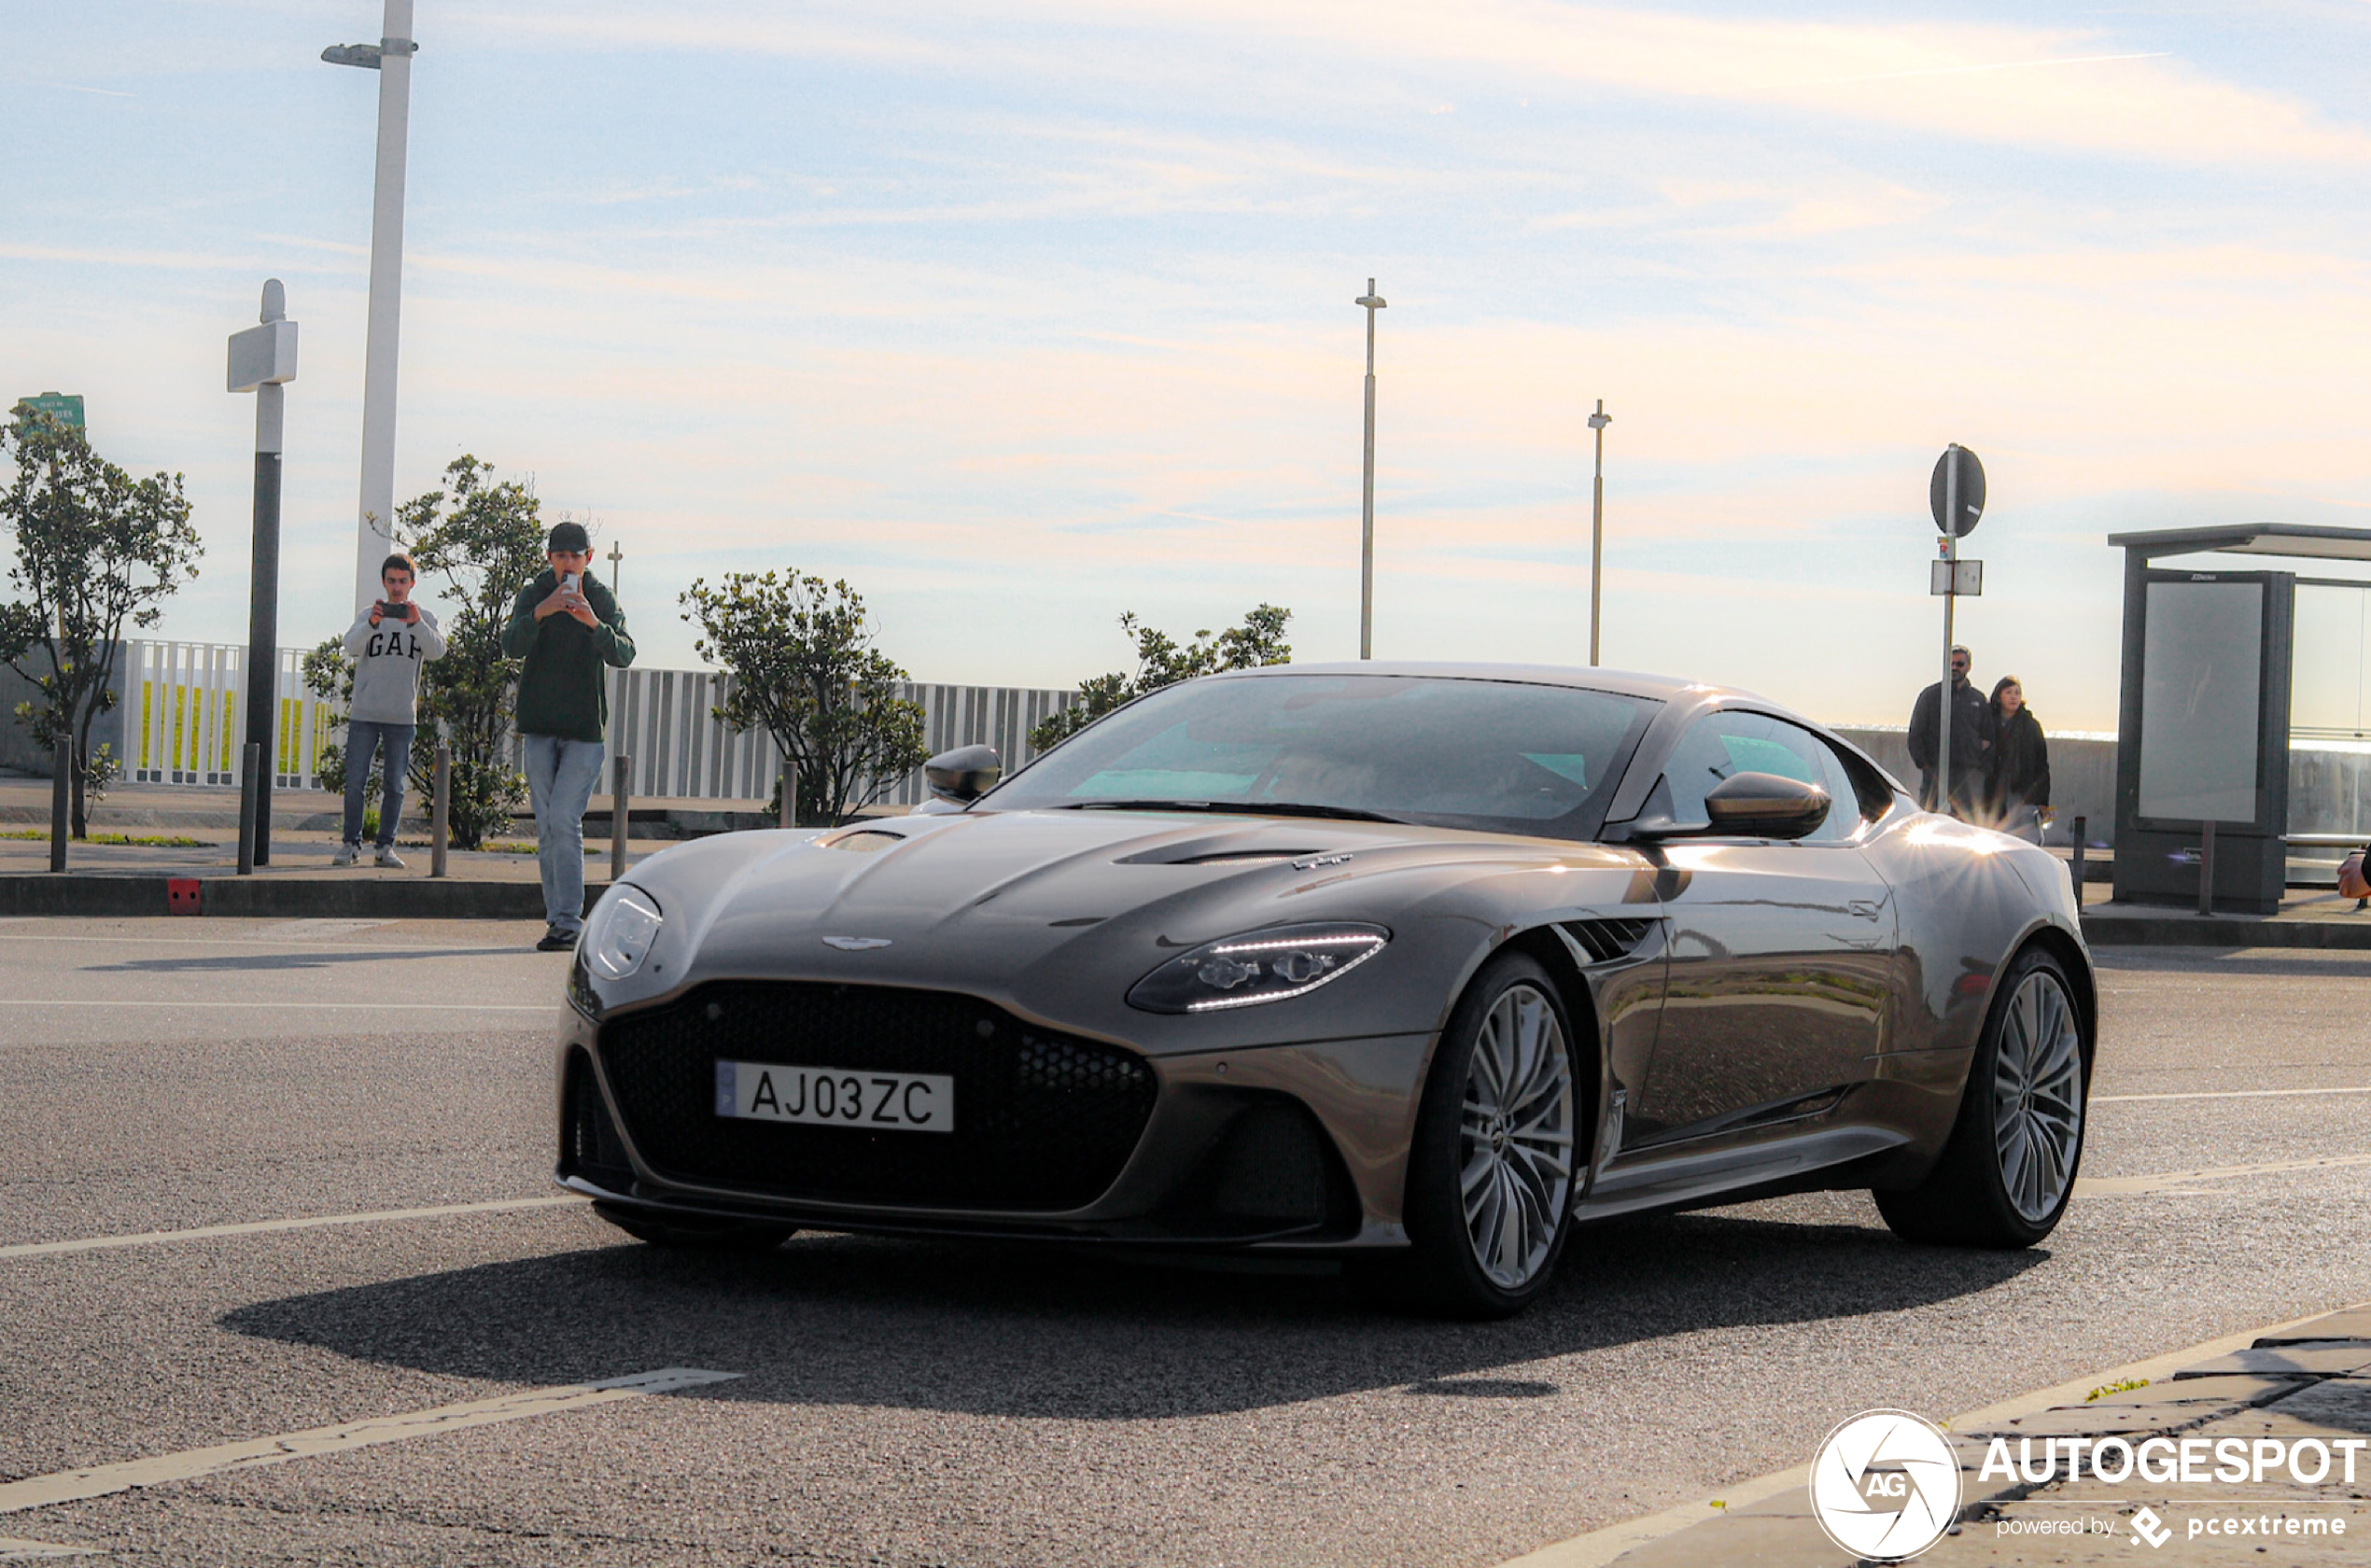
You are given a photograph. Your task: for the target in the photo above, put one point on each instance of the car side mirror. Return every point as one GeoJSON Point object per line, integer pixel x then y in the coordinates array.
{"type": "Point", "coordinates": [1766, 805]}
{"type": "Point", "coordinates": [964, 774]}
{"type": "Point", "coordinates": [1743, 805]}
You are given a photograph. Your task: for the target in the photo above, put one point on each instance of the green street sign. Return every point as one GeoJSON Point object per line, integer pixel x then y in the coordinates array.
{"type": "Point", "coordinates": [60, 408]}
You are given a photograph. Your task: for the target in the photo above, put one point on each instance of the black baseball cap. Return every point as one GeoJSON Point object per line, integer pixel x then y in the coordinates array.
{"type": "Point", "coordinates": [569, 537]}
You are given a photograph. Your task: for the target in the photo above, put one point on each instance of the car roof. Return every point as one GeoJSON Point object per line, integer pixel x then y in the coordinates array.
{"type": "Point", "coordinates": [1628, 683]}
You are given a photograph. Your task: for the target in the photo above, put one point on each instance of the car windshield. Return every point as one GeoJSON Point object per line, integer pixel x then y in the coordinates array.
{"type": "Point", "coordinates": [1497, 755]}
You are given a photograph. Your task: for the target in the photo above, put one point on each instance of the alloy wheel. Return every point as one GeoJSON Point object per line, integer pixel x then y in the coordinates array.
{"type": "Point", "coordinates": [2037, 1096]}
{"type": "Point", "coordinates": [1515, 1151]}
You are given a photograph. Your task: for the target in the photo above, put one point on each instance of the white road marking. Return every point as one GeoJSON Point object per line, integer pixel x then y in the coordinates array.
{"type": "Point", "coordinates": [13, 1550]}
{"type": "Point", "coordinates": [1602, 1546]}
{"type": "Point", "coordinates": [74, 1486]}
{"type": "Point", "coordinates": [263, 1227]}
{"type": "Point", "coordinates": [298, 1006]}
{"type": "Point", "coordinates": [2176, 1181]}
{"type": "Point", "coordinates": [313, 929]}
{"type": "Point", "coordinates": [127, 939]}
{"type": "Point", "coordinates": [2223, 1093]}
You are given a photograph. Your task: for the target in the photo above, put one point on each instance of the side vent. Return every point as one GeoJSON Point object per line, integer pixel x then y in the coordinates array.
{"type": "Point", "coordinates": [1604, 940]}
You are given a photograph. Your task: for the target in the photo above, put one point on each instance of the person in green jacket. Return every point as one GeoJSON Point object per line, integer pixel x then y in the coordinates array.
{"type": "Point", "coordinates": [570, 630]}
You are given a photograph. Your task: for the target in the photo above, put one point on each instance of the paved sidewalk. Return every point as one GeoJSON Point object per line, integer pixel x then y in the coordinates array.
{"type": "Point", "coordinates": [134, 878]}
{"type": "Point", "coordinates": [2310, 1380]}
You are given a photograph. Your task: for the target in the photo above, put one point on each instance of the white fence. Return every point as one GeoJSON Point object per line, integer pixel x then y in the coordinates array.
{"type": "Point", "coordinates": [179, 707]}
{"type": "Point", "coordinates": [663, 719]}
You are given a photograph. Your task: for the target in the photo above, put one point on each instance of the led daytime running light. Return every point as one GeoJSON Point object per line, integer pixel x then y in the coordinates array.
{"type": "Point", "coordinates": [1354, 940]}
{"type": "Point", "coordinates": [1258, 967]}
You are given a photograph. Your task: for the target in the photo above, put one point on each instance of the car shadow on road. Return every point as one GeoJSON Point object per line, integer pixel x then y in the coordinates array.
{"type": "Point", "coordinates": [1028, 1332]}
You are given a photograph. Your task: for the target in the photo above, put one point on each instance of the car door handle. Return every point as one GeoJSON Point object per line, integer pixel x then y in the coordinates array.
{"type": "Point", "coordinates": [1866, 909]}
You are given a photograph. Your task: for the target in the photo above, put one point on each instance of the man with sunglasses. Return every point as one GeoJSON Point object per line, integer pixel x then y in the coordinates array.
{"type": "Point", "coordinates": [1971, 739]}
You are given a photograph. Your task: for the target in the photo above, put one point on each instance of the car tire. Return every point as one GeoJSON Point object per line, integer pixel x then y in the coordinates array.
{"type": "Point", "coordinates": [2009, 1169]}
{"type": "Point", "coordinates": [1492, 1167]}
{"type": "Point", "coordinates": [697, 1233]}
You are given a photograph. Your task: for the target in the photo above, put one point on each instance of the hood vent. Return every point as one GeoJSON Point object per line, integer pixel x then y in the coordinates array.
{"type": "Point", "coordinates": [1604, 940]}
{"type": "Point", "coordinates": [864, 840]}
{"type": "Point", "coordinates": [1230, 851]}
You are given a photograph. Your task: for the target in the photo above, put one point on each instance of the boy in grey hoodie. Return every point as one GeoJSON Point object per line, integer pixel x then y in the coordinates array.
{"type": "Point", "coordinates": [388, 643]}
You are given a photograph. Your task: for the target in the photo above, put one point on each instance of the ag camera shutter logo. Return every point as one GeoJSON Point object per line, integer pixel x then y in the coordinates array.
{"type": "Point", "coordinates": [1884, 1486]}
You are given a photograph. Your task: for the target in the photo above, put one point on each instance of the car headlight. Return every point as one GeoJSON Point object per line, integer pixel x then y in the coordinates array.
{"type": "Point", "coordinates": [1270, 965]}
{"type": "Point", "coordinates": [618, 936]}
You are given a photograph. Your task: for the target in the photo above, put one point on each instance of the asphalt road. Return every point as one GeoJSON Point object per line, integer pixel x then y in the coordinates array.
{"type": "Point", "coordinates": [910, 1403]}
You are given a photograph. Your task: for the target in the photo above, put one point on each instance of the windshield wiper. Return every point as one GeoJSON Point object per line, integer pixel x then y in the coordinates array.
{"type": "Point", "coordinates": [1248, 809]}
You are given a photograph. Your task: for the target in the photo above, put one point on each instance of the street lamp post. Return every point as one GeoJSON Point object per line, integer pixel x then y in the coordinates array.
{"type": "Point", "coordinates": [1598, 422]}
{"type": "Point", "coordinates": [391, 57]}
{"type": "Point", "coordinates": [263, 360]}
{"type": "Point", "coordinates": [1373, 303]}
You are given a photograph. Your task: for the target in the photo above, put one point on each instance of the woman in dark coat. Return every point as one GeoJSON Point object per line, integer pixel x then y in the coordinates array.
{"type": "Point", "coordinates": [2017, 771]}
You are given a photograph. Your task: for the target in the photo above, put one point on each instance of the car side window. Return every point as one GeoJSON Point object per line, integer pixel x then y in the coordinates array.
{"type": "Point", "coordinates": [1722, 745]}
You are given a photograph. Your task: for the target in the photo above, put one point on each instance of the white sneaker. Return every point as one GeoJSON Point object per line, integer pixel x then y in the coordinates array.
{"type": "Point", "coordinates": [347, 855]}
{"type": "Point", "coordinates": [389, 858]}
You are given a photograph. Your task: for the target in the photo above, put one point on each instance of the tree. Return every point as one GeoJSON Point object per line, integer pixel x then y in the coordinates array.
{"type": "Point", "coordinates": [803, 667]}
{"type": "Point", "coordinates": [485, 541]}
{"type": "Point", "coordinates": [95, 549]}
{"type": "Point", "coordinates": [1162, 661]}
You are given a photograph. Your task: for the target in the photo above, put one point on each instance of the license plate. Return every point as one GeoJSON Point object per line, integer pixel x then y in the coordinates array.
{"type": "Point", "coordinates": [836, 1097]}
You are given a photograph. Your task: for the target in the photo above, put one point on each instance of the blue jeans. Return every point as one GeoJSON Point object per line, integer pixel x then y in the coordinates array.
{"type": "Point", "coordinates": [560, 776]}
{"type": "Point", "coordinates": [363, 737]}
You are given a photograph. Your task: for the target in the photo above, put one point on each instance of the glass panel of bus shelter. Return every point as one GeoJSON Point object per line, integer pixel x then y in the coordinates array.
{"type": "Point", "coordinates": [2202, 664]}
{"type": "Point", "coordinates": [2330, 718]}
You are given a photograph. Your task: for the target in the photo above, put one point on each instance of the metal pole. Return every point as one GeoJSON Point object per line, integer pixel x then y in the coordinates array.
{"type": "Point", "coordinates": [1950, 602]}
{"type": "Point", "coordinates": [441, 810]}
{"type": "Point", "coordinates": [2206, 868]}
{"type": "Point", "coordinates": [1372, 302]}
{"type": "Point", "coordinates": [1598, 422]}
{"type": "Point", "coordinates": [250, 781]}
{"type": "Point", "coordinates": [61, 801]}
{"type": "Point", "coordinates": [621, 791]}
{"type": "Point", "coordinates": [375, 524]}
{"type": "Point", "coordinates": [263, 588]}
{"type": "Point", "coordinates": [789, 803]}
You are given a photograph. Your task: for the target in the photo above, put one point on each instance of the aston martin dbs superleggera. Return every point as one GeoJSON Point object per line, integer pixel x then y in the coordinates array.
{"type": "Point", "coordinates": [1421, 964]}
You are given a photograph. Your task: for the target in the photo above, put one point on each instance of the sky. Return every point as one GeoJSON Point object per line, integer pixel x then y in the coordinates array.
{"type": "Point", "coordinates": [1018, 315]}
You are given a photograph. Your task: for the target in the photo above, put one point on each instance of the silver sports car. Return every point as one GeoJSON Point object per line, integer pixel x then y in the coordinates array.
{"type": "Point", "coordinates": [1419, 964]}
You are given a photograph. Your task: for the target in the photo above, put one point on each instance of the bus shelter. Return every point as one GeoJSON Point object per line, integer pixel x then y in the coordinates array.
{"type": "Point", "coordinates": [2241, 734]}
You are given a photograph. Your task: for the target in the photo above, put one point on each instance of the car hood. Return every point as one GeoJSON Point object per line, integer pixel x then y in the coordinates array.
{"type": "Point", "coordinates": [1057, 914]}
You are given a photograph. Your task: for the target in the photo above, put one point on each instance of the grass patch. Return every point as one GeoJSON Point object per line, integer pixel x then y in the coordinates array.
{"type": "Point", "coordinates": [2122, 1385]}
{"type": "Point", "coordinates": [147, 841]}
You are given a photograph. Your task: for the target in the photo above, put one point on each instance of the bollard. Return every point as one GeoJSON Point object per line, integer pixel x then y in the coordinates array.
{"type": "Point", "coordinates": [61, 801]}
{"type": "Point", "coordinates": [441, 809]}
{"type": "Point", "coordinates": [251, 779]}
{"type": "Point", "coordinates": [789, 793]}
{"type": "Point", "coordinates": [2081, 834]}
{"type": "Point", "coordinates": [2206, 868]}
{"type": "Point", "coordinates": [620, 794]}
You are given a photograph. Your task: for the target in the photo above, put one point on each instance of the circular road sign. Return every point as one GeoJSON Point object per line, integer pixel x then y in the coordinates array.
{"type": "Point", "coordinates": [1971, 490]}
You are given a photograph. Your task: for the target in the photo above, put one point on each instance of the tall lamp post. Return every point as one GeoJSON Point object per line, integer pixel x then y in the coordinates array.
{"type": "Point", "coordinates": [1373, 303]}
{"type": "Point", "coordinates": [391, 57]}
{"type": "Point", "coordinates": [1598, 422]}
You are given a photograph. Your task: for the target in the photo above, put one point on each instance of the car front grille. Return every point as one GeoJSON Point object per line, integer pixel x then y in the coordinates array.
{"type": "Point", "coordinates": [1043, 1120]}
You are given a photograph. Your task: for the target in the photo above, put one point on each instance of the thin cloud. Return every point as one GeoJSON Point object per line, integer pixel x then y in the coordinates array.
{"type": "Point", "coordinates": [1991, 65]}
